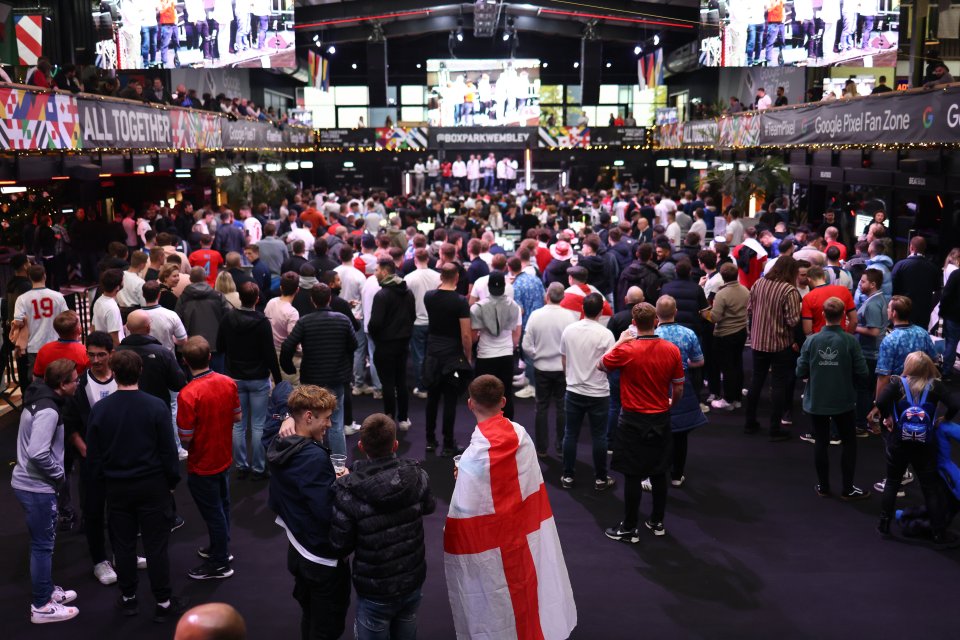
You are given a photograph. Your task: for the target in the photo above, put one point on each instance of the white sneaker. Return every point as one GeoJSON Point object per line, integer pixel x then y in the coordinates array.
{"type": "Point", "coordinates": [52, 612]}
{"type": "Point", "coordinates": [141, 562]}
{"type": "Point", "coordinates": [351, 429]}
{"type": "Point", "coordinates": [420, 393]}
{"type": "Point", "coordinates": [735, 405]}
{"type": "Point", "coordinates": [721, 404]}
{"type": "Point", "coordinates": [704, 408]}
{"type": "Point", "coordinates": [520, 380]}
{"type": "Point", "coordinates": [880, 486]}
{"type": "Point", "coordinates": [745, 391]}
{"type": "Point", "coordinates": [711, 398]}
{"type": "Point", "coordinates": [404, 425]}
{"type": "Point", "coordinates": [907, 478]}
{"type": "Point", "coordinates": [646, 485]}
{"type": "Point", "coordinates": [362, 390]}
{"type": "Point", "coordinates": [377, 394]}
{"type": "Point", "coordinates": [182, 454]}
{"type": "Point", "coordinates": [103, 571]}
{"type": "Point", "coordinates": [63, 596]}
{"type": "Point", "coordinates": [527, 392]}
{"type": "Point", "coordinates": [679, 483]}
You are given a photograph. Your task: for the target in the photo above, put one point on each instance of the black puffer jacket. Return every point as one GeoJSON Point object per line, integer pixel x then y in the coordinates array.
{"type": "Point", "coordinates": [639, 274]}
{"type": "Point", "coordinates": [378, 514]}
{"type": "Point", "coordinates": [393, 313]}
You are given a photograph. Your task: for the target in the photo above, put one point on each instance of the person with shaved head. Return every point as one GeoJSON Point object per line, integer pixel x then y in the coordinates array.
{"type": "Point", "coordinates": [211, 621]}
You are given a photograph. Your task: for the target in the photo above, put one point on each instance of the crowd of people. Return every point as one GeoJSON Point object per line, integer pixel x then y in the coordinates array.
{"type": "Point", "coordinates": [630, 309]}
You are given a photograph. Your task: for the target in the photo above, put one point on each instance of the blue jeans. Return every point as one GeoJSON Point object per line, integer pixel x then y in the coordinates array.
{"type": "Point", "coordinates": [262, 24]}
{"type": "Point", "coordinates": [387, 618]}
{"type": "Point", "coordinates": [418, 349]}
{"type": "Point", "coordinates": [951, 337]}
{"type": "Point", "coordinates": [173, 417]}
{"type": "Point", "coordinates": [595, 409]}
{"type": "Point", "coordinates": [771, 35]}
{"type": "Point", "coordinates": [254, 396]}
{"type": "Point", "coordinates": [212, 497]}
{"type": "Point", "coordinates": [148, 44]}
{"type": "Point", "coordinates": [754, 42]}
{"type": "Point", "coordinates": [41, 510]}
{"type": "Point", "coordinates": [364, 349]}
{"type": "Point", "coordinates": [168, 38]}
{"type": "Point", "coordinates": [335, 438]}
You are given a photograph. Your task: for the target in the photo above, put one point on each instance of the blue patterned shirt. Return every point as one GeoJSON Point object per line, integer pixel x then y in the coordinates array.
{"type": "Point", "coordinates": [528, 293]}
{"type": "Point", "coordinates": [900, 343]}
{"type": "Point", "coordinates": [685, 340]}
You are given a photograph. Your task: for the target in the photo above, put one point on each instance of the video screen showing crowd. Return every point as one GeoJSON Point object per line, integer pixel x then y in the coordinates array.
{"type": "Point", "coordinates": [483, 93]}
{"type": "Point", "coordinates": [167, 34]}
{"type": "Point", "coordinates": [813, 33]}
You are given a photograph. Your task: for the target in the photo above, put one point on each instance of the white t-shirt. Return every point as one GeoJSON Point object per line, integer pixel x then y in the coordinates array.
{"type": "Point", "coordinates": [459, 169]}
{"type": "Point", "coordinates": [713, 284]}
{"type": "Point", "coordinates": [419, 282]}
{"type": "Point", "coordinates": [97, 391]}
{"type": "Point", "coordinates": [433, 168]}
{"type": "Point", "coordinates": [583, 344]}
{"type": "Point", "coordinates": [491, 346]}
{"type": "Point", "coordinates": [541, 338]}
{"type": "Point", "coordinates": [37, 308]}
{"type": "Point", "coordinates": [370, 288]}
{"type": "Point", "coordinates": [106, 316]}
{"type": "Point", "coordinates": [351, 282]}
{"type": "Point", "coordinates": [253, 230]}
{"type": "Point", "coordinates": [473, 169]}
{"type": "Point", "coordinates": [165, 326]}
{"type": "Point", "coordinates": [131, 293]}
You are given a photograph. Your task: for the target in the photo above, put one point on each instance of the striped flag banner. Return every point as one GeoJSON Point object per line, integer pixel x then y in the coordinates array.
{"type": "Point", "coordinates": [641, 74]}
{"type": "Point", "coordinates": [319, 71]}
{"type": "Point", "coordinates": [29, 30]}
{"type": "Point", "coordinates": [324, 74]}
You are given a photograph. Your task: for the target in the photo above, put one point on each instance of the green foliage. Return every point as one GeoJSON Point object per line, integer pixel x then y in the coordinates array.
{"type": "Point", "coordinates": [767, 176]}
{"type": "Point", "coordinates": [255, 187]}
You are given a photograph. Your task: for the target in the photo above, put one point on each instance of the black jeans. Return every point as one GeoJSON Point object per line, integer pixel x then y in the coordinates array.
{"type": "Point", "coordinates": [447, 391]}
{"type": "Point", "coordinates": [923, 458]}
{"type": "Point", "coordinates": [680, 442]}
{"type": "Point", "coordinates": [551, 386]}
{"type": "Point", "coordinates": [711, 364]}
{"type": "Point", "coordinates": [729, 354]}
{"type": "Point", "coordinates": [848, 455]}
{"type": "Point", "coordinates": [501, 368]}
{"type": "Point", "coordinates": [632, 491]}
{"type": "Point", "coordinates": [145, 506]}
{"type": "Point", "coordinates": [212, 497]}
{"type": "Point", "coordinates": [323, 594]}
{"type": "Point", "coordinates": [783, 365]}
{"type": "Point", "coordinates": [93, 503]}
{"type": "Point", "coordinates": [390, 359]}
{"type": "Point", "coordinates": [865, 392]}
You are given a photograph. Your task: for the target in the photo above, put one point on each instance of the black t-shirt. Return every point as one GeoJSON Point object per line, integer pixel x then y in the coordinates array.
{"type": "Point", "coordinates": [445, 309]}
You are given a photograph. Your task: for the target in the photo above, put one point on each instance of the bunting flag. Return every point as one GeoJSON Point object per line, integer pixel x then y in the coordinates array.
{"type": "Point", "coordinates": [641, 74]}
{"type": "Point", "coordinates": [319, 70]}
{"type": "Point", "coordinates": [29, 30]}
{"type": "Point", "coordinates": [651, 70]}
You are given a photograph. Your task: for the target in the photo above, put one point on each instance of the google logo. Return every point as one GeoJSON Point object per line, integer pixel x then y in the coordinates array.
{"type": "Point", "coordinates": [928, 117]}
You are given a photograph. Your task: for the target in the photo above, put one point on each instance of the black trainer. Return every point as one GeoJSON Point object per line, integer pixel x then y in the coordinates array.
{"type": "Point", "coordinates": [621, 534]}
{"type": "Point", "coordinates": [603, 484]}
{"type": "Point", "coordinates": [129, 607]}
{"type": "Point", "coordinates": [171, 611]}
{"type": "Point", "coordinates": [210, 571]}
{"type": "Point", "coordinates": [451, 449]}
{"type": "Point", "coordinates": [822, 491]}
{"type": "Point", "coordinates": [855, 493]}
{"type": "Point", "coordinates": [177, 523]}
{"type": "Point", "coordinates": [432, 444]}
{"type": "Point", "coordinates": [204, 552]}
{"type": "Point", "coordinates": [656, 527]}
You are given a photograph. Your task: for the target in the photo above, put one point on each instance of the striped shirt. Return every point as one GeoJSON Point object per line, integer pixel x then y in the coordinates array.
{"type": "Point", "coordinates": [775, 310]}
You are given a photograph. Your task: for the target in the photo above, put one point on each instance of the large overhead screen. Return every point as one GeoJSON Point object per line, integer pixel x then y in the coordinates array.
{"type": "Point", "coordinates": [482, 93]}
{"type": "Point", "coordinates": [169, 34]}
{"type": "Point", "coordinates": [812, 33]}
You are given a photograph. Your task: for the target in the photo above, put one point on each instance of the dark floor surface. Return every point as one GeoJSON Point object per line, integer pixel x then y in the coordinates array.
{"type": "Point", "coordinates": [750, 551]}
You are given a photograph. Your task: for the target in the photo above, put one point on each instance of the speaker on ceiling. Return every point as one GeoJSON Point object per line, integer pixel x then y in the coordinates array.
{"type": "Point", "coordinates": [377, 73]}
{"type": "Point", "coordinates": [591, 52]}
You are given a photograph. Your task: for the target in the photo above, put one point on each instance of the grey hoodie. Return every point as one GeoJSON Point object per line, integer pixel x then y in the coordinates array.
{"type": "Point", "coordinates": [39, 466]}
{"type": "Point", "coordinates": [202, 308]}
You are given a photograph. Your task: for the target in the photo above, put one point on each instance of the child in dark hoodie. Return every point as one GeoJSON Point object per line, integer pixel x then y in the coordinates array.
{"type": "Point", "coordinates": [378, 514]}
{"type": "Point", "coordinates": [301, 494]}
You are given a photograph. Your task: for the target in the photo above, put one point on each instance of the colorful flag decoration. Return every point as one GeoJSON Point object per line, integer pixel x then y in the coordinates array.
{"type": "Point", "coordinates": [319, 69]}
{"type": "Point", "coordinates": [641, 74]}
{"type": "Point", "coordinates": [651, 70]}
{"type": "Point", "coordinates": [29, 30]}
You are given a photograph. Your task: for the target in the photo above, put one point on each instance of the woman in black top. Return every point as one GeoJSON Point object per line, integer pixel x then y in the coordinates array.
{"type": "Point", "coordinates": [169, 278]}
{"type": "Point", "coordinates": [919, 372]}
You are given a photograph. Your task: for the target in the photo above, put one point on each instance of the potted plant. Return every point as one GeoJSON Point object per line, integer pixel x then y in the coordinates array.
{"type": "Point", "coordinates": [769, 175]}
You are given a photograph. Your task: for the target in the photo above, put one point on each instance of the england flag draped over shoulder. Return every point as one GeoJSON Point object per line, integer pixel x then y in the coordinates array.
{"type": "Point", "coordinates": [505, 571]}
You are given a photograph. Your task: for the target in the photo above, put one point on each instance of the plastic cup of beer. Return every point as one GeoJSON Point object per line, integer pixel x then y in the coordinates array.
{"type": "Point", "coordinates": [339, 461]}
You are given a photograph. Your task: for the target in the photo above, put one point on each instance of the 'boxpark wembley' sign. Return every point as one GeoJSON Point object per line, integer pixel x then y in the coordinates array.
{"type": "Point", "coordinates": [931, 116]}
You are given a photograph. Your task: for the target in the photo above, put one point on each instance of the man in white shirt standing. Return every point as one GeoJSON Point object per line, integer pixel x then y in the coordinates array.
{"type": "Point", "coordinates": [419, 281]}
{"type": "Point", "coordinates": [252, 228]}
{"type": "Point", "coordinates": [582, 345]}
{"type": "Point", "coordinates": [33, 316]}
{"type": "Point", "coordinates": [541, 343]}
{"type": "Point", "coordinates": [459, 170]}
{"type": "Point", "coordinates": [512, 167]}
{"type": "Point", "coordinates": [763, 100]}
{"type": "Point", "coordinates": [370, 288]}
{"type": "Point", "coordinates": [489, 167]}
{"type": "Point", "coordinates": [106, 311]}
{"type": "Point", "coordinates": [473, 173]}
{"type": "Point", "coordinates": [503, 169]}
{"type": "Point", "coordinates": [165, 325]}
{"type": "Point", "coordinates": [433, 172]}
{"type": "Point", "coordinates": [131, 292]}
{"type": "Point", "coordinates": [419, 172]}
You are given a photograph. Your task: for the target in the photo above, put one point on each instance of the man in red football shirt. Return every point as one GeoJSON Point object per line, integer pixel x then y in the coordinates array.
{"type": "Point", "coordinates": [651, 372]}
{"type": "Point", "coordinates": [207, 408]}
{"type": "Point", "coordinates": [67, 326]}
{"type": "Point", "coordinates": [205, 257]}
{"type": "Point", "coordinates": [811, 311]}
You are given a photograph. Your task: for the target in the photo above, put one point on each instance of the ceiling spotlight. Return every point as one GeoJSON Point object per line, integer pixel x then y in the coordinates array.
{"type": "Point", "coordinates": [609, 64]}
{"type": "Point", "coordinates": [506, 36]}
{"type": "Point", "coordinates": [459, 36]}
{"type": "Point", "coordinates": [353, 66]}
{"type": "Point", "coordinates": [508, 30]}
{"type": "Point", "coordinates": [419, 65]}
{"type": "Point", "coordinates": [545, 65]}
{"type": "Point", "coordinates": [656, 40]}
{"type": "Point", "coordinates": [459, 32]}
{"type": "Point", "coordinates": [576, 65]}
{"type": "Point", "coordinates": [331, 49]}
{"type": "Point", "coordinates": [637, 50]}
{"type": "Point", "coordinates": [316, 37]}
